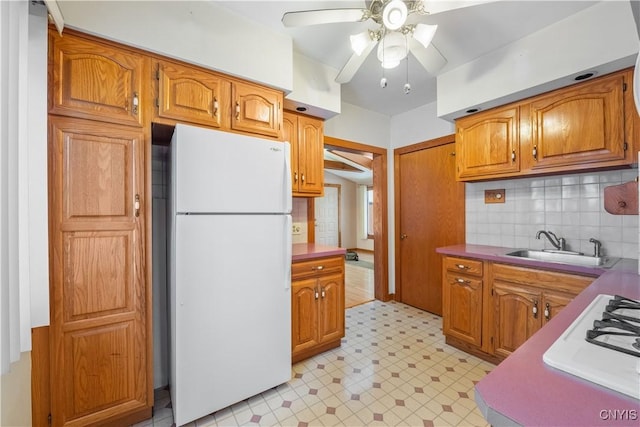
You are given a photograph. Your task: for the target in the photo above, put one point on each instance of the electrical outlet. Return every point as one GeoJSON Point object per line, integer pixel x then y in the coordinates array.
{"type": "Point", "coordinates": [297, 228]}
{"type": "Point", "coordinates": [494, 196]}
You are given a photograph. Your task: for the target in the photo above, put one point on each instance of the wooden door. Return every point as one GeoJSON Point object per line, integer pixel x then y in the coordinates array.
{"type": "Point", "coordinates": [517, 315]}
{"type": "Point", "coordinates": [431, 214]}
{"type": "Point", "coordinates": [256, 109]}
{"type": "Point", "coordinates": [100, 317]}
{"type": "Point", "coordinates": [304, 311]}
{"type": "Point", "coordinates": [310, 155]}
{"type": "Point", "coordinates": [95, 81]}
{"type": "Point", "coordinates": [488, 143]}
{"type": "Point", "coordinates": [331, 288]}
{"type": "Point", "coordinates": [578, 126]}
{"type": "Point", "coordinates": [187, 94]}
{"type": "Point", "coordinates": [327, 216]}
{"type": "Point", "coordinates": [463, 308]}
{"type": "Point", "coordinates": [553, 302]}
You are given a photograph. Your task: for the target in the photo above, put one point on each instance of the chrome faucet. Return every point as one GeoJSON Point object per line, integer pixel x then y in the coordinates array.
{"type": "Point", "coordinates": [596, 247]}
{"type": "Point", "coordinates": [558, 243]}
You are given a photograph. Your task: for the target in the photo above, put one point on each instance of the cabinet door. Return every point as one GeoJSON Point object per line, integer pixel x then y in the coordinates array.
{"type": "Point", "coordinates": [553, 302]}
{"type": "Point", "coordinates": [488, 144]}
{"type": "Point", "coordinates": [95, 81]}
{"type": "Point", "coordinates": [516, 316]}
{"type": "Point", "coordinates": [578, 126]}
{"type": "Point", "coordinates": [462, 316]}
{"type": "Point", "coordinates": [331, 288]}
{"type": "Point", "coordinates": [310, 155]}
{"type": "Point", "coordinates": [256, 110]}
{"type": "Point", "coordinates": [100, 329]}
{"type": "Point", "coordinates": [304, 311]}
{"type": "Point", "coordinates": [188, 94]}
{"type": "Point", "coordinates": [290, 133]}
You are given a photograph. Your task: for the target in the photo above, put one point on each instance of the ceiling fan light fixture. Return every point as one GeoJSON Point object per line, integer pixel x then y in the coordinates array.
{"type": "Point", "coordinates": [394, 14]}
{"type": "Point", "coordinates": [424, 33]}
{"type": "Point", "coordinates": [360, 41]}
{"type": "Point", "coordinates": [392, 49]}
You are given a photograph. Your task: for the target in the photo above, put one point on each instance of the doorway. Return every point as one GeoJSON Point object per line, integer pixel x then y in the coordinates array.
{"type": "Point", "coordinates": [379, 168]}
{"type": "Point", "coordinates": [327, 216]}
{"type": "Point", "coordinates": [431, 213]}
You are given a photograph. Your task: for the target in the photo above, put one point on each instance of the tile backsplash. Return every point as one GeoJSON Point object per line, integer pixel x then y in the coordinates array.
{"type": "Point", "coordinates": [571, 206]}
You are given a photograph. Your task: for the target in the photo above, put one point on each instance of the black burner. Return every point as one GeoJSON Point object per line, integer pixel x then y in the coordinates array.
{"type": "Point", "coordinates": [619, 328]}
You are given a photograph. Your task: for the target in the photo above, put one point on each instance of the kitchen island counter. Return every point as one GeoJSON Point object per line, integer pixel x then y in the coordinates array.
{"type": "Point", "coordinates": [306, 251]}
{"type": "Point", "coordinates": [523, 390]}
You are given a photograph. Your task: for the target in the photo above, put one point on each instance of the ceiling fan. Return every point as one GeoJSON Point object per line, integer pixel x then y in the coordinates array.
{"type": "Point", "coordinates": [397, 33]}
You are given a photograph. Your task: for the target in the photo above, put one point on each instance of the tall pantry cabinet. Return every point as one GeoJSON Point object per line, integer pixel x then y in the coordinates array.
{"type": "Point", "coordinates": [100, 329]}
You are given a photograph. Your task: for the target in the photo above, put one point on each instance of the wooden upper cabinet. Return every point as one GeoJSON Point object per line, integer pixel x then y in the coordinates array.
{"type": "Point", "coordinates": [306, 136]}
{"type": "Point", "coordinates": [578, 126]}
{"type": "Point", "coordinates": [256, 109]}
{"type": "Point", "coordinates": [96, 81]}
{"type": "Point", "coordinates": [487, 144]}
{"type": "Point", "coordinates": [188, 94]}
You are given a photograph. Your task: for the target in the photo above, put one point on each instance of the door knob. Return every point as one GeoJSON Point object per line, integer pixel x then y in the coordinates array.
{"type": "Point", "coordinates": [403, 236]}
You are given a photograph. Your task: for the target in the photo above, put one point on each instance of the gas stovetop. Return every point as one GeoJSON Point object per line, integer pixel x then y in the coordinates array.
{"type": "Point", "coordinates": [619, 327]}
{"type": "Point", "coordinates": [602, 345]}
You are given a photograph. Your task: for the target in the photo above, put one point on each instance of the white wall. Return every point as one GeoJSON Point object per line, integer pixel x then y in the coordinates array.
{"type": "Point", "coordinates": [314, 87]}
{"type": "Point", "coordinates": [199, 32]}
{"type": "Point", "coordinates": [602, 37]}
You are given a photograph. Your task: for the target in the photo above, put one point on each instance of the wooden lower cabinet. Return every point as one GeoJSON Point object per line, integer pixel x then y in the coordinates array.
{"type": "Point", "coordinates": [491, 309]}
{"type": "Point", "coordinates": [317, 306]}
{"type": "Point", "coordinates": [462, 300]}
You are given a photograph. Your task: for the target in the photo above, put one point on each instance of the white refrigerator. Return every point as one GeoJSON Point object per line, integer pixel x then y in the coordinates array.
{"type": "Point", "coordinates": [230, 269]}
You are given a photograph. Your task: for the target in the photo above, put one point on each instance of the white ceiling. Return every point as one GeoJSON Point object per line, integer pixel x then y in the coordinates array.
{"type": "Point", "coordinates": [463, 35]}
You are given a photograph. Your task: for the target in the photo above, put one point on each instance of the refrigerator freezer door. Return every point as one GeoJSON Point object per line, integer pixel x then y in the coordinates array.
{"type": "Point", "coordinates": [231, 310]}
{"type": "Point", "coordinates": [222, 172]}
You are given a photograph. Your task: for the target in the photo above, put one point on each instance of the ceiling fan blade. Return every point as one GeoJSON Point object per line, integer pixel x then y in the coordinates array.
{"type": "Point", "coordinates": [326, 16]}
{"type": "Point", "coordinates": [434, 7]}
{"type": "Point", "coordinates": [353, 64]}
{"type": "Point", "coordinates": [430, 58]}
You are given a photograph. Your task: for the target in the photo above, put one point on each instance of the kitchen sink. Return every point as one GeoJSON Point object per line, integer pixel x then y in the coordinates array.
{"type": "Point", "coordinates": [565, 257]}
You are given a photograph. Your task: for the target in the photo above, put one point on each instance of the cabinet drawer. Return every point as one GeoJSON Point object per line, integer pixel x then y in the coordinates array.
{"type": "Point", "coordinates": [464, 265]}
{"type": "Point", "coordinates": [316, 267]}
{"type": "Point", "coordinates": [544, 279]}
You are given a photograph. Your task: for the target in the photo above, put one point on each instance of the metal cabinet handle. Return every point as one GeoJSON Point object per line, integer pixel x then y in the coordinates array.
{"type": "Point", "coordinates": [318, 268]}
{"type": "Point", "coordinates": [215, 106]}
{"type": "Point", "coordinates": [316, 291]}
{"type": "Point", "coordinates": [535, 309]}
{"type": "Point", "coordinates": [323, 293]}
{"type": "Point", "coordinates": [535, 152]}
{"type": "Point", "coordinates": [295, 176]}
{"type": "Point", "coordinates": [134, 103]}
{"type": "Point", "coordinates": [513, 155]}
{"type": "Point", "coordinates": [302, 177]}
{"type": "Point", "coordinates": [547, 311]}
{"type": "Point", "coordinates": [237, 110]}
{"type": "Point", "coordinates": [136, 205]}
{"type": "Point", "coordinates": [462, 266]}
{"type": "Point", "coordinates": [462, 281]}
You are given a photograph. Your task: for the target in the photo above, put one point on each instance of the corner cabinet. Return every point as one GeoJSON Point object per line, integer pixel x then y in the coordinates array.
{"type": "Point", "coordinates": [490, 309]}
{"type": "Point", "coordinates": [306, 136]}
{"type": "Point", "coordinates": [317, 306]}
{"type": "Point", "coordinates": [488, 143]}
{"type": "Point", "coordinates": [586, 126]}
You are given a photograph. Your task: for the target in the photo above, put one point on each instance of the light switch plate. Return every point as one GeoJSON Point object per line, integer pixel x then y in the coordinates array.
{"type": "Point", "coordinates": [494, 196]}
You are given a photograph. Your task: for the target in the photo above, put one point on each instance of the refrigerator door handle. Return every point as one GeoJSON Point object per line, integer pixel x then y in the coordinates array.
{"type": "Point", "coordinates": [288, 249]}
{"type": "Point", "coordinates": [288, 185]}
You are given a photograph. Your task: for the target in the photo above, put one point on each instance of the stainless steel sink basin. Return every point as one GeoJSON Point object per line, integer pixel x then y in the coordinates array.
{"type": "Point", "coordinates": [564, 257]}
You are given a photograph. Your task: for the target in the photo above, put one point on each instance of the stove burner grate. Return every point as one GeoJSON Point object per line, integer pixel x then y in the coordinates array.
{"type": "Point", "coordinates": [618, 331]}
